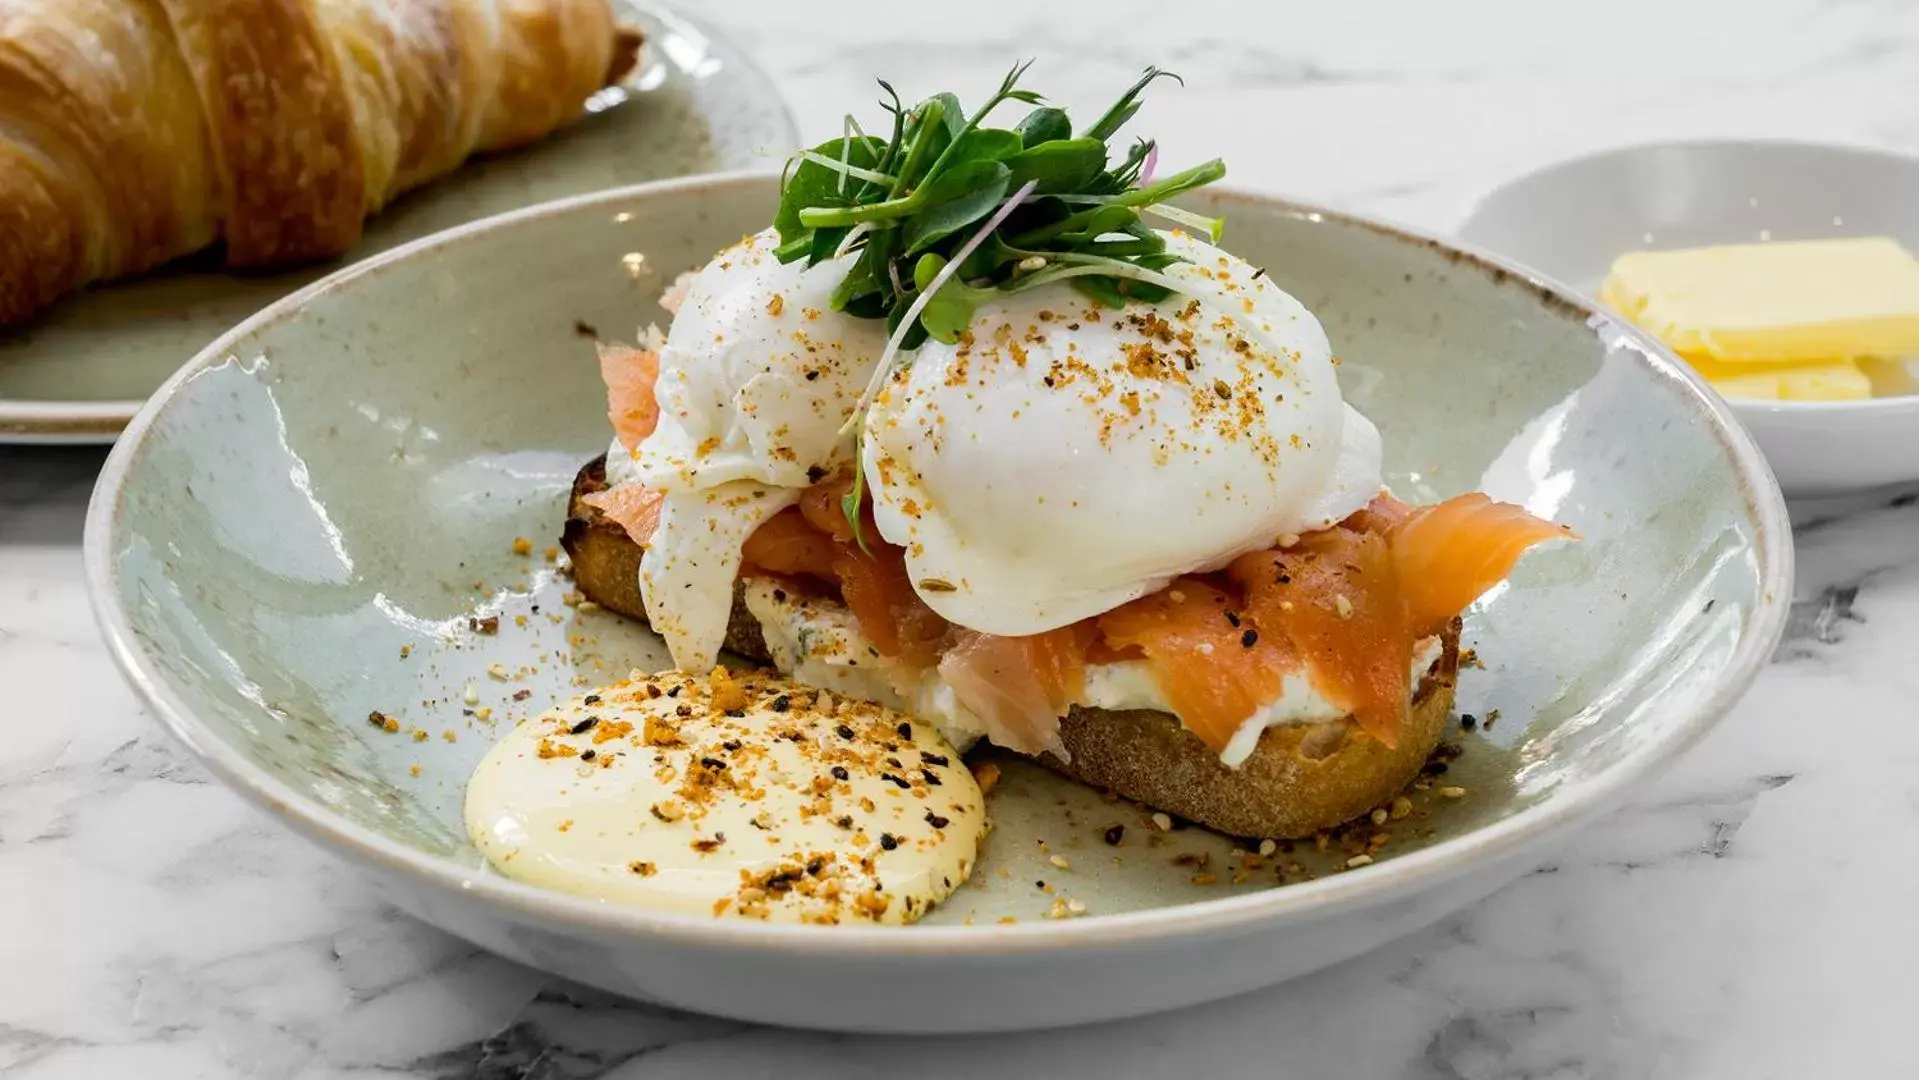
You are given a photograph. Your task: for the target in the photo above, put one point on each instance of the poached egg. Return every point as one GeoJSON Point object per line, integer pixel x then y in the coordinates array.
{"type": "Point", "coordinates": [1063, 458]}
{"type": "Point", "coordinates": [758, 375]}
{"type": "Point", "coordinates": [1060, 459]}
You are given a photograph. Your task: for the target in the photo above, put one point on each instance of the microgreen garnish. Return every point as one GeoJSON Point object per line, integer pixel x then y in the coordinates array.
{"type": "Point", "coordinates": [850, 502]}
{"type": "Point", "coordinates": [947, 214]}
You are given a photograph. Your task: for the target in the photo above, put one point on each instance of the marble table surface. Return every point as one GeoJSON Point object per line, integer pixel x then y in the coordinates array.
{"type": "Point", "coordinates": [1749, 916]}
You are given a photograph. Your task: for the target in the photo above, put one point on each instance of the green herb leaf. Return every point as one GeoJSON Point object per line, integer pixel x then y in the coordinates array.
{"type": "Point", "coordinates": [950, 311]}
{"type": "Point", "coordinates": [926, 135]}
{"type": "Point", "coordinates": [824, 243]}
{"type": "Point", "coordinates": [1079, 226]}
{"type": "Point", "coordinates": [980, 144]}
{"type": "Point", "coordinates": [851, 502]}
{"type": "Point", "coordinates": [1103, 290]}
{"type": "Point", "coordinates": [958, 198]}
{"type": "Point", "coordinates": [814, 185]}
{"type": "Point", "coordinates": [1063, 165]}
{"type": "Point", "coordinates": [1115, 118]}
{"type": "Point", "coordinates": [1178, 184]}
{"type": "Point", "coordinates": [952, 115]}
{"type": "Point", "coordinates": [1044, 126]}
{"type": "Point", "coordinates": [858, 283]}
{"type": "Point", "coordinates": [1126, 173]}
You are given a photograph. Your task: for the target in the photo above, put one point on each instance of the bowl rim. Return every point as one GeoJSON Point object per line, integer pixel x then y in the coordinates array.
{"type": "Point", "coordinates": [1382, 882]}
{"type": "Point", "coordinates": [1550, 173]}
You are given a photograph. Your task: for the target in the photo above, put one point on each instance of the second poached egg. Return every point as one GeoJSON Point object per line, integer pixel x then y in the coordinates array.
{"type": "Point", "coordinates": [1063, 458]}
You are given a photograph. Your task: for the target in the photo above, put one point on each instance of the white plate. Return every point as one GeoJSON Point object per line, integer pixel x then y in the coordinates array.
{"type": "Point", "coordinates": [1569, 220]}
{"type": "Point", "coordinates": [695, 104]}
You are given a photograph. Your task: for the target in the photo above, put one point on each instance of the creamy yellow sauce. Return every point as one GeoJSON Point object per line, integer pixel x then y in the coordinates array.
{"type": "Point", "coordinates": [731, 795]}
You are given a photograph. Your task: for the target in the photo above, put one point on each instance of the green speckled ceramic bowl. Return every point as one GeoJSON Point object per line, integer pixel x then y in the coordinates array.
{"type": "Point", "coordinates": [297, 529]}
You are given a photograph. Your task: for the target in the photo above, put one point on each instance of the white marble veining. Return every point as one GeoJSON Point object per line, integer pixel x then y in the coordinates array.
{"type": "Point", "coordinates": [1748, 917]}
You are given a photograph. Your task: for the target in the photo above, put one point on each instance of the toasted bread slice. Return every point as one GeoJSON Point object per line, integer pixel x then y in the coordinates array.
{"type": "Point", "coordinates": [1299, 779]}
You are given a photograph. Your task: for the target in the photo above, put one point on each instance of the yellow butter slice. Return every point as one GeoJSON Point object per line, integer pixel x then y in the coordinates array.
{"type": "Point", "coordinates": [1824, 380]}
{"type": "Point", "coordinates": [1891, 376]}
{"type": "Point", "coordinates": [1805, 301]}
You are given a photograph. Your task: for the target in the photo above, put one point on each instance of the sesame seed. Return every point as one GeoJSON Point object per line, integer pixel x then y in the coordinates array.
{"type": "Point", "coordinates": [1060, 861]}
{"type": "Point", "coordinates": [1342, 605]}
{"type": "Point", "coordinates": [1266, 848]}
{"type": "Point", "coordinates": [1163, 822]}
{"type": "Point", "coordinates": [1379, 816]}
{"type": "Point", "coordinates": [498, 671]}
{"type": "Point", "coordinates": [1452, 792]}
{"type": "Point", "coordinates": [470, 695]}
{"type": "Point", "coordinates": [1358, 861]}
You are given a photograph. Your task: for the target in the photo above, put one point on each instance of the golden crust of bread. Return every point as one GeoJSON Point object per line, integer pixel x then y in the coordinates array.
{"type": "Point", "coordinates": [133, 132]}
{"type": "Point", "coordinates": [1299, 779]}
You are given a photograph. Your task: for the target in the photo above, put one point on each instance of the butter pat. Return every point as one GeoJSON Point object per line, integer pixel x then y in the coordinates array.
{"type": "Point", "coordinates": [1822, 380]}
{"type": "Point", "coordinates": [1816, 300]}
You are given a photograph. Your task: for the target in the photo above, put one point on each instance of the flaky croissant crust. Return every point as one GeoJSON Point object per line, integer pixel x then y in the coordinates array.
{"type": "Point", "coordinates": [133, 132]}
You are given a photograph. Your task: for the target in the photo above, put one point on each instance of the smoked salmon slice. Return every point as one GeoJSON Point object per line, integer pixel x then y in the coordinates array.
{"type": "Point", "coordinates": [1336, 598]}
{"type": "Point", "coordinates": [1378, 516]}
{"type": "Point", "coordinates": [1449, 554]}
{"type": "Point", "coordinates": [1214, 666]}
{"type": "Point", "coordinates": [1355, 599]}
{"type": "Point", "coordinates": [891, 614]}
{"type": "Point", "coordinates": [632, 507]}
{"type": "Point", "coordinates": [824, 510]}
{"type": "Point", "coordinates": [629, 374]}
{"type": "Point", "coordinates": [1019, 687]}
{"type": "Point", "coordinates": [787, 544]}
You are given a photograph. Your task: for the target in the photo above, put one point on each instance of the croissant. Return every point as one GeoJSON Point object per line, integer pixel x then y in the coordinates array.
{"type": "Point", "coordinates": [133, 132]}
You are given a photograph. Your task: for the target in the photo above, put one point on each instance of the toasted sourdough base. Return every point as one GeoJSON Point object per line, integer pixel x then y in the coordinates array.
{"type": "Point", "coordinates": [1299, 779]}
